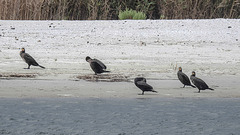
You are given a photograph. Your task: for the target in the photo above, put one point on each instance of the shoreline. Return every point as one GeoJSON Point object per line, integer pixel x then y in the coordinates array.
{"type": "Point", "coordinates": [39, 88]}
{"type": "Point", "coordinates": [153, 49]}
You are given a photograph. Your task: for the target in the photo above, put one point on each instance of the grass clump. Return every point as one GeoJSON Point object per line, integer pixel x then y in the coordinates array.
{"type": "Point", "coordinates": [131, 14]}
{"type": "Point", "coordinates": [139, 16]}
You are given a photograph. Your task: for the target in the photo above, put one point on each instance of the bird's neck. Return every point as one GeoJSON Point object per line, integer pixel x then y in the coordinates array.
{"type": "Point", "coordinates": [22, 53]}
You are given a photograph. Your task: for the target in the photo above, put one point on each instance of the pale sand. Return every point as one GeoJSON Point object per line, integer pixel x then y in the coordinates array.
{"type": "Point", "coordinates": [226, 88]}
{"type": "Point", "coordinates": [151, 48]}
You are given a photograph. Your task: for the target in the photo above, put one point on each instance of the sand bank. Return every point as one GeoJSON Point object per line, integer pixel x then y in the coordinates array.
{"type": "Point", "coordinates": [150, 48]}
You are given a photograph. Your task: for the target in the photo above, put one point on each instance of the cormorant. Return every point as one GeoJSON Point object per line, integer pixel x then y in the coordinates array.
{"type": "Point", "coordinates": [141, 83]}
{"type": "Point", "coordinates": [199, 83]}
{"type": "Point", "coordinates": [97, 66]}
{"type": "Point", "coordinates": [184, 78]}
{"type": "Point", "coordinates": [28, 59]}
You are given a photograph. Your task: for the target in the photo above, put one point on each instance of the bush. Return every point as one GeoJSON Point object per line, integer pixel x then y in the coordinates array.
{"type": "Point", "coordinates": [131, 14]}
{"type": "Point", "coordinates": [139, 16]}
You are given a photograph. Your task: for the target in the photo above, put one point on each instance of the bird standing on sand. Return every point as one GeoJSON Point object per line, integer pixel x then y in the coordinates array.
{"type": "Point", "coordinates": [199, 83]}
{"type": "Point", "coordinates": [28, 59]}
{"type": "Point", "coordinates": [97, 66]}
{"type": "Point", "coordinates": [184, 78]}
{"type": "Point", "coordinates": [141, 83]}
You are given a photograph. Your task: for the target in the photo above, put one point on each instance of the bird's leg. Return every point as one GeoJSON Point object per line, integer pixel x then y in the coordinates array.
{"type": "Point", "coordinates": [198, 91]}
{"type": "Point", "coordinates": [183, 86]}
{"type": "Point", "coordinates": [143, 93]}
{"type": "Point", "coordinates": [27, 67]}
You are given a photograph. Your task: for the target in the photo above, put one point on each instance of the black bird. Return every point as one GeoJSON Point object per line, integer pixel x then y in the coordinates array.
{"type": "Point", "coordinates": [97, 66]}
{"type": "Point", "coordinates": [28, 59]}
{"type": "Point", "coordinates": [199, 83]}
{"type": "Point", "coordinates": [141, 83]}
{"type": "Point", "coordinates": [184, 78]}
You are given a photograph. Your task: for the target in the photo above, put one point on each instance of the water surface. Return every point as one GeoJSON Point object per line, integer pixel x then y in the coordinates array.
{"type": "Point", "coordinates": [93, 116]}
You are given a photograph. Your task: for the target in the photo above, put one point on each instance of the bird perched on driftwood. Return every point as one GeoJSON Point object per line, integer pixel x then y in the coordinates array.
{"type": "Point", "coordinates": [199, 83]}
{"type": "Point", "coordinates": [97, 66]}
{"type": "Point", "coordinates": [28, 59]}
{"type": "Point", "coordinates": [184, 78]}
{"type": "Point", "coordinates": [141, 83]}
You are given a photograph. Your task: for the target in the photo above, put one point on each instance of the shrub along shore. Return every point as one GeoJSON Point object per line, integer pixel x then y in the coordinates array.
{"type": "Point", "coordinates": [110, 9]}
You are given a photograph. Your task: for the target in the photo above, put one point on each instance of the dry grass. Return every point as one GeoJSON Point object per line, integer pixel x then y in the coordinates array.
{"type": "Point", "coordinates": [109, 9]}
{"type": "Point", "coordinates": [199, 9]}
{"type": "Point", "coordinates": [20, 9]}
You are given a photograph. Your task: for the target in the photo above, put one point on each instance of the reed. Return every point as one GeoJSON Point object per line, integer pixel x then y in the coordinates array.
{"type": "Point", "coordinates": [199, 9]}
{"type": "Point", "coordinates": [109, 9]}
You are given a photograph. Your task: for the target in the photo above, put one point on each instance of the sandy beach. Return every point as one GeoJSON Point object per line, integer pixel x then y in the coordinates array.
{"type": "Point", "coordinates": [151, 48]}
{"type": "Point", "coordinates": [67, 98]}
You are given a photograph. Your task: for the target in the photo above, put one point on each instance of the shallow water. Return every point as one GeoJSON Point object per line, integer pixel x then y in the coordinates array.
{"type": "Point", "coordinates": [90, 116]}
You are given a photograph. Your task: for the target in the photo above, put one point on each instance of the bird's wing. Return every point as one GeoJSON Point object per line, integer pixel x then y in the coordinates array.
{"type": "Point", "coordinates": [200, 83]}
{"type": "Point", "coordinates": [183, 77]}
{"type": "Point", "coordinates": [28, 58]}
{"type": "Point", "coordinates": [100, 63]}
{"type": "Point", "coordinates": [96, 66]}
{"type": "Point", "coordinates": [144, 85]}
{"type": "Point", "coordinates": [180, 76]}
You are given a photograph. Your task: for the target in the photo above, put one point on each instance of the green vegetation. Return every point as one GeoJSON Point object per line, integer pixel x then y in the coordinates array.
{"type": "Point", "coordinates": [139, 16]}
{"type": "Point", "coordinates": [131, 14]}
{"type": "Point", "coordinates": [127, 14]}
{"type": "Point", "coordinates": [111, 9]}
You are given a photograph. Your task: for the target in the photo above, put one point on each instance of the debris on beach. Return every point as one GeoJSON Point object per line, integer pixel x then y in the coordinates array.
{"type": "Point", "coordinates": [105, 78]}
{"type": "Point", "coordinates": [18, 75]}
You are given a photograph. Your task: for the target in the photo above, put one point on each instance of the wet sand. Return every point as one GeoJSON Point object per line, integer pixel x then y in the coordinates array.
{"type": "Point", "coordinates": [227, 87]}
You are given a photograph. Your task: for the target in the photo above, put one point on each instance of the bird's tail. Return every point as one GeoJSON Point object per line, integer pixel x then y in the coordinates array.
{"type": "Point", "coordinates": [154, 91]}
{"type": "Point", "coordinates": [210, 89]}
{"type": "Point", "coordinates": [41, 66]}
{"type": "Point", "coordinates": [192, 86]}
{"type": "Point", "coordinates": [106, 71]}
